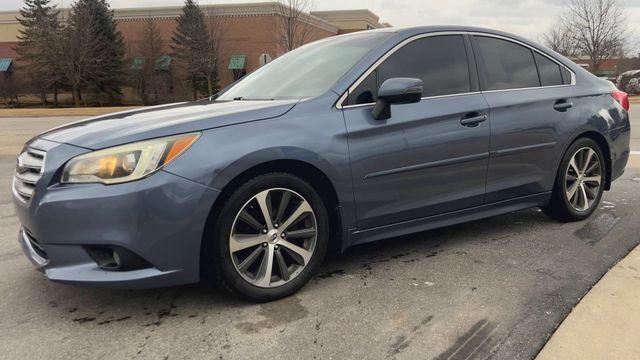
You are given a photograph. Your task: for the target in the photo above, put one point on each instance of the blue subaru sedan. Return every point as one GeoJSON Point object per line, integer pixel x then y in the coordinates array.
{"type": "Point", "coordinates": [344, 141]}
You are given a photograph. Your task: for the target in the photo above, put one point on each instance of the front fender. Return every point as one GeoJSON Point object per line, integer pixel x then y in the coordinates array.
{"type": "Point", "coordinates": [222, 154]}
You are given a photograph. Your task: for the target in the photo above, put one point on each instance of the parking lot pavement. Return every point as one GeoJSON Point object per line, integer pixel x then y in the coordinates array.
{"type": "Point", "coordinates": [498, 286]}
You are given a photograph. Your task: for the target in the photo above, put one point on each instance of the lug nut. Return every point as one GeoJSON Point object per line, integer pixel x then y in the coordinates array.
{"type": "Point", "coordinates": [265, 244]}
{"type": "Point", "coordinates": [264, 231]}
{"type": "Point", "coordinates": [276, 225]}
{"type": "Point", "coordinates": [276, 247]}
{"type": "Point", "coordinates": [283, 235]}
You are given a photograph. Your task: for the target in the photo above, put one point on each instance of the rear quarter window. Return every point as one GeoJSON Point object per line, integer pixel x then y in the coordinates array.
{"type": "Point", "coordinates": [550, 72]}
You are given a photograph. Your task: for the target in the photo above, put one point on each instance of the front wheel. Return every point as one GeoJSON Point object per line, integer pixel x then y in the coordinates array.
{"type": "Point", "coordinates": [580, 182]}
{"type": "Point", "coordinates": [269, 239]}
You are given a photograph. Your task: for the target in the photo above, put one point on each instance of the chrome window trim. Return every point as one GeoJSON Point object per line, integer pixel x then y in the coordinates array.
{"type": "Point", "coordinates": [424, 98]}
{"type": "Point", "coordinates": [339, 104]}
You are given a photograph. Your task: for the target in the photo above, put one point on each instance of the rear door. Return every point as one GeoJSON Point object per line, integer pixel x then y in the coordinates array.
{"type": "Point", "coordinates": [531, 105]}
{"type": "Point", "coordinates": [422, 161]}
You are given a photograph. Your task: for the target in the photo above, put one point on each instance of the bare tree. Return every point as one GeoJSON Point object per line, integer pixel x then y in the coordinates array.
{"type": "Point", "coordinates": [294, 28]}
{"type": "Point", "coordinates": [39, 22]}
{"type": "Point", "coordinates": [211, 57]}
{"type": "Point", "coordinates": [75, 48]}
{"type": "Point", "coordinates": [558, 38]}
{"type": "Point", "coordinates": [11, 88]}
{"type": "Point", "coordinates": [597, 29]}
{"type": "Point", "coordinates": [148, 51]}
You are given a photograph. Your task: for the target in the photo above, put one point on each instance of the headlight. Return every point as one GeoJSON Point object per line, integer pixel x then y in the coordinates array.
{"type": "Point", "coordinates": [127, 162]}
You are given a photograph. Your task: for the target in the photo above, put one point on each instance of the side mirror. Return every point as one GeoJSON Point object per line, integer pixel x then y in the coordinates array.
{"type": "Point", "coordinates": [396, 91]}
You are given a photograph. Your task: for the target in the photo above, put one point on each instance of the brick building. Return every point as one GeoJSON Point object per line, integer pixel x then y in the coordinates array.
{"type": "Point", "coordinates": [609, 68]}
{"type": "Point", "coordinates": [249, 32]}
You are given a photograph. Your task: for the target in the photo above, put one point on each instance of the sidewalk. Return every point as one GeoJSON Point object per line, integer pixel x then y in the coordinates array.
{"type": "Point", "coordinates": [606, 322]}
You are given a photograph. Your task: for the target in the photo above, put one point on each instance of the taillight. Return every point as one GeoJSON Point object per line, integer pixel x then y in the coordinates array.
{"type": "Point", "coordinates": [622, 98]}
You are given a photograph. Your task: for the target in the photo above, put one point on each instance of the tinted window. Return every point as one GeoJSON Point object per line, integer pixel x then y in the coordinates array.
{"type": "Point", "coordinates": [366, 92]}
{"type": "Point", "coordinates": [566, 76]}
{"type": "Point", "coordinates": [440, 61]}
{"type": "Point", "coordinates": [549, 71]}
{"type": "Point", "coordinates": [506, 65]}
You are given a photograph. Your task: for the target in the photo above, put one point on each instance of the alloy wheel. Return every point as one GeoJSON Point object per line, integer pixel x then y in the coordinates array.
{"type": "Point", "coordinates": [583, 179]}
{"type": "Point", "coordinates": [273, 237]}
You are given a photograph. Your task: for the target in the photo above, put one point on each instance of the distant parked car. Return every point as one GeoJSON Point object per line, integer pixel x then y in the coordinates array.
{"type": "Point", "coordinates": [347, 140]}
{"type": "Point", "coordinates": [627, 81]}
{"type": "Point", "coordinates": [634, 86]}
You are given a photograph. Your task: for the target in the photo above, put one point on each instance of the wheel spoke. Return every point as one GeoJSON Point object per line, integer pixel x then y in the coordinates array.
{"type": "Point", "coordinates": [284, 202]}
{"type": "Point", "coordinates": [593, 179]}
{"type": "Point", "coordinates": [265, 206]}
{"type": "Point", "coordinates": [263, 276]}
{"type": "Point", "coordinates": [241, 242]}
{"type": "Point", "coordinates": [574, 165]}
{"type": "Point", "coordinates": [282, 266]}
{"type": "Point", "coordinates": [571, 191]}
{"type": "Point", "coordinates": [250, 220]}
{"type": "Point", "coordinates": [587, 160]}
{"type": "Point", "coordinates": [592, 168]}
{"type": "Point", "coordinates": [304, 233]}
{"type": "Point", "coordinates": [302, 209]}
{"type": "Point", "coordinates": [249, 260]}
{"type": "Point", "coordinates": [585, 199]}
{"type": "Point", "coordinates": [301, 255]}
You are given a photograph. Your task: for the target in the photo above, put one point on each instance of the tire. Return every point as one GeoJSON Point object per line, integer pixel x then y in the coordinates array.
{"type": "Point", "coordinates": [567, 208]}
{"type": "Point", "coordinates": [294, 257]}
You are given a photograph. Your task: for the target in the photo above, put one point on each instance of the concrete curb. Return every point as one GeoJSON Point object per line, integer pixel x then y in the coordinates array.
{"type": "Point", "coordinates": [606, 322]}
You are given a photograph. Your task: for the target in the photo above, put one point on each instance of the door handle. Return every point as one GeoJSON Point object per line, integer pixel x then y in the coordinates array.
{"type": "Point", "coordinates": [563, 105]}
{"type": "Point", "coordinates": [473, 121]}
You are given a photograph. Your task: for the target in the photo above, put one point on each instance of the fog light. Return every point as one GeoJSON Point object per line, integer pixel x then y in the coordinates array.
{"type": "Point", "coordinates": [116, 258]}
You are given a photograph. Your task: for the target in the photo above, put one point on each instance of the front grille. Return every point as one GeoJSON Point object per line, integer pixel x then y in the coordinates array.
{"type": "Point", "coordinates": [28, 172]}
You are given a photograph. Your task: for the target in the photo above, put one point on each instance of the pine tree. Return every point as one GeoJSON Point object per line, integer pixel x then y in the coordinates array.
{"type": "Point", "coordinates": [195, 48]}
{"type": "Point", "coordinates": [106, 73]}
{"type": "Point", "coordinates": [39, 24]}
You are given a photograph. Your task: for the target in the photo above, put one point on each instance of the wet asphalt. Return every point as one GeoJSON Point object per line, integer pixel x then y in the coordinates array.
{"type": "Point", "coordinates": [495, 288]}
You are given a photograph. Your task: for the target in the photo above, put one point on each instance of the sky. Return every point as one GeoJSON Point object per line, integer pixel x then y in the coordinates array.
{"type": "Point", "coordinates": [528, 18]}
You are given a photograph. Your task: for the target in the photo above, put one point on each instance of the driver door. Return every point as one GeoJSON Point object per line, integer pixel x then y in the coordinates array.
{"type": "Point", "coordinates": [422, 161]}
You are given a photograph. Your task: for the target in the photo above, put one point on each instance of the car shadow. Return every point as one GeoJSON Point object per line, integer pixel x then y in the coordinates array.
{"type": "Point", "coordinates": [153, 307]}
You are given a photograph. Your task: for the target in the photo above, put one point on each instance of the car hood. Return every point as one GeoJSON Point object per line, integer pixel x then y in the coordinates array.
{"type": "Point", "coordinates": [158, 121]}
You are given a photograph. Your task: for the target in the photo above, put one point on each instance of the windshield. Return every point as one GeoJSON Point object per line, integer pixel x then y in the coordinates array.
{"type": "Point", "coordinates": [308, 71]}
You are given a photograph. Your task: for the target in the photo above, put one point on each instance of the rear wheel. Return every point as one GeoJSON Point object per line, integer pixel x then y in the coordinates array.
{"type": "Point", "coordinates": [270, 237]}
{"type": "Point", "coordinates": [580, 182]}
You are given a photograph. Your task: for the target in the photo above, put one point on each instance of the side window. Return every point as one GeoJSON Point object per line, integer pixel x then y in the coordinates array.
{"type": "Point", "coordinates": [439, 61]}
{"type": "Point", "coordinates": [506, 65]}
{"type": "Point", "coordinates": [550, 73]}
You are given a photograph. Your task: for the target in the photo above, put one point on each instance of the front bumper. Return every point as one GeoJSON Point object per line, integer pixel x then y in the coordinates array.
{"type": "Point", "coordinates": [161, 219]}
